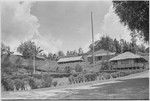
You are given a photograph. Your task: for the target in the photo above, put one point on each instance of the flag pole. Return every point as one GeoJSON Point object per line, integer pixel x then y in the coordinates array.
{"type": "Point", "coordinates": [92, 39]}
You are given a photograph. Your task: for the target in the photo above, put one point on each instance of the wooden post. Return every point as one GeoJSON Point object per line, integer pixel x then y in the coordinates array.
{"type": "Point", "coordinates": [34, 64]}
{"type": "Point", "coordinates": [92, 39]}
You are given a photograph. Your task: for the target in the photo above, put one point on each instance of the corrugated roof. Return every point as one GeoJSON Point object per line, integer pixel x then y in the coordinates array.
{"type": "Point", "coordinates": [70, 59]}
{"type": "Point", "coordinates": [101, 52]}
{"type": "Point", "coordinates": [126, 55]}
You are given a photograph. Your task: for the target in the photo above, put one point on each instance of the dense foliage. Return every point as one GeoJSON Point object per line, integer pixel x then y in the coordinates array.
{"type": "Point", "coordinates": [105, 66]}
{"type": "Point", "coordinates": [67, 69]}
{"type": "Point", "coordinates": [78, 68]}
{"type": "Point", "coordinates": [33, 81]}
{"type": "Point", "coordinates": [107, 43]}
{"type": "Point", "coordinates": [28, 49]}
{"type": "Point", "coordinates": [134, 14]}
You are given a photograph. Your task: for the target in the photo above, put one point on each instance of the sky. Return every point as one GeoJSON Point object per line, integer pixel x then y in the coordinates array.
{"type": "Point", "coordinates": [59, 25]}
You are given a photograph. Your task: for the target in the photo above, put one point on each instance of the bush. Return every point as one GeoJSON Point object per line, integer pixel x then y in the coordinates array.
{"type": "Point", "coordinates": [114, 75]}
{"type": "Point", "coordinates": [32, 83]}
{"type": "Point", "coordinates": [47, 80]}
{"type": "Point", "coordinates": [105, 66]}
{"type": "Point", "coordinates": [19, 84]}
{"type": "Point", "coordinates": [38, 76]}
{"type": "Point", "coordinates": [78, 68]}
{"type": "Point", "coordinates": [80, 78]}
{"type": "Point", "coordinates": [19, 77]}
{"type": "Point", "coordinates": [60, 75]}
{"type": "Point", "coordinates": [39, 83]}
{"type": "Point", "coordinates": [8, 84]}
{"type": "Point", "coordinates": [121, 74]}
{"type": "Point", "coordinates": [54, 83]}
{"type": "Point", "coordinates": [90, 77]}
{"type": "Point", "coordinates": [67, 69]}
{"type": "Point", "coordinates": [71, 79]}
{"type": "Point", "coordinates": [106, 75]}
{"type": "Point", "coordinates": [57, 69]}
{"type": "Point", "coordinates": [73, 72]}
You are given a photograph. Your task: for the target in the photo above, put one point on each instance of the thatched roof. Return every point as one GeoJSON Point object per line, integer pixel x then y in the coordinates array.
{"type": "Point", "coordinates": [69, 59]}
{"type": "Point", "coordinates": [126, 55]}
{"type": "Point", "coordinates": [101, 52]}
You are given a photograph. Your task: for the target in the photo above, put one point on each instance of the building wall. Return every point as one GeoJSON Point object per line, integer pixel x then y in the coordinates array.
{"type": "Point", "coordinates": [127, 64]}
{"type": "Point", "coordinates": [100, 58]}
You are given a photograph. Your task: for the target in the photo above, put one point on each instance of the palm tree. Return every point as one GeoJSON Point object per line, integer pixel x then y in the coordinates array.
{"type": "Point", "coordinates": [36, 51]}
{"type": "Point", "coordinates": [29, 50]}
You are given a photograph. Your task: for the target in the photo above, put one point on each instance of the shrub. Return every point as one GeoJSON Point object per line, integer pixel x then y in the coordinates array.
{"type": "Point", "coordinates": [114, 75]}
{"type": "Point", "coordinates": [57, 69]}
{"type": "Point", "coordinates": [73, 72]}
{"type": "Point", "coordinates": [121, 74]}
{"type": "Point", "coordinates": [32, 82]}
{"type": "Point", "coordinates": [105, 66]}
{"type": "Point", "coordinates": [47, 80]}
{"type": "Point", "coordinates": [19, 84]}
{"type": "Point", "coordinates": [38, 76]}
{"type": "Point", "coordinates": [90, 77]}
{"type": "Point", "coordinates": [78, 68]}
{"type": "Point", "coordinates": [80, 78]}
{"type": "Point", "coordinates": [106, 75]}
{"type": "Point", "coordinates": [71, 79]}
{"type": "Point", "coordinates": [38, 83]}
{"type": "Point", "coordinates": [54, 83]}
{"type": "Point", "coordinates": [60, 75]}
{"type": "Point", "coordinates": [19, 77]}
{"type": "Point", "coordinates": [67, 69]}
{"type": "Point", "coordinates": [8, 84]}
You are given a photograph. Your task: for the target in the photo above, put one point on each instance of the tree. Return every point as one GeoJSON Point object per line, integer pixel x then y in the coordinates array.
{"type": "Point", "coordinates": [72, 53]}
{"type": "Point", "coordinates": [117, 46]}
{"type": "Point", "coordinates": [50, 56]}
{"type": "Point", "coordinates": [135, 15]}
{"type": "Point", "coordinates": [44, 55]}
{"type": "Point", "coordinates": [125, 46]}
{"type": "Point", "coordinates": [75, 53]}
{"type": "Point", "coordinates": [141, 48]}
{"type": "Point", "coordinates": [55, 57]}
{"type": "Point", "coordinates": [147, 50]}
{"type": "Point", "coordinates": [61, 54]}
{"type": "Point", "coordinates": [68, 53]}
{"type": "Point", "coordinates": [6, 66]}
{"type": "Point", "coordinates": [105, 43]}
{"type": "Point", "coordinates": [28, 49]}
{"type": "Point", "coordinates": [133, 42]}
{"type": "Point", "coordinates": [5, 49]}
{"type": "Point", "coordinates": [80, 51]}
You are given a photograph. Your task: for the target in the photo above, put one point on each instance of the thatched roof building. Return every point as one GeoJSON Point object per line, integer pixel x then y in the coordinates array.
{"type": "Point", "coordinates": [70, 59]}
{"type": "Point", "coordinates": [128, 60]}
{"type": "Point", "coordinates": [101, 52]}
{"type": "Point", "coordinates": [101, 55]}
{"type": "Point", "coordinates": [127, 55]}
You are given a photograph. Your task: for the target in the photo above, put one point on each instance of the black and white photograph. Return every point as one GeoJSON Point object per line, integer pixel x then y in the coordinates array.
{"type": "Point", "coordinates": [74, 50]}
